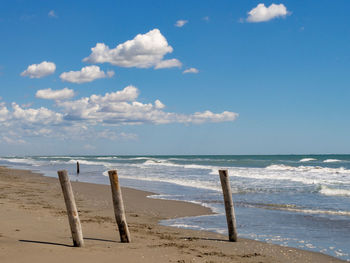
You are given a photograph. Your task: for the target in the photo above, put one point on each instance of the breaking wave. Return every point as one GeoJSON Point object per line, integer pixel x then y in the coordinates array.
{"type": "Point", "coordinates": [304, 160]}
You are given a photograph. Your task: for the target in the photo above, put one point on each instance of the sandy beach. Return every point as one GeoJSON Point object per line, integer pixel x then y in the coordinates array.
{"type": "Point", "coordinates": [34, 228]}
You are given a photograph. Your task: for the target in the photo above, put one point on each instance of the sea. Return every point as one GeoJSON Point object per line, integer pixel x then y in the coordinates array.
{"type": "Point", "coordinates": [301, 201]}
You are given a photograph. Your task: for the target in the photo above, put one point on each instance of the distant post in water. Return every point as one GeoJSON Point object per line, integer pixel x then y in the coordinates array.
{"type": "Point", "coordinates": [119, 207]}
{"type": "Point", "coordinates": [72, 212]}
{"type": "Point", "coordinates": [230, 212]}
{"type": "Point", "coordinates": [78, 168]}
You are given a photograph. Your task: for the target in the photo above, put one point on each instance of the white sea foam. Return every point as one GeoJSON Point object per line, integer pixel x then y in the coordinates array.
{"type": "Point", "coordinates": [57, 162]}
{"type": "Point", "coordinates": [106, 164]}
{"type": "Point", "coordinates": [318, 211]}
{"type": "Point", "coordinates": [308, 175]}
{"type": "Point", "coordinates": [292, 208]}
{"type": "Point", "coordinates": [29, 161]}
{"type": "Point", "coordinates": [107, 158]}
{"type": "Point", "coordinates": [334, 192]}
{"type": "Point", "coordinates": [54, 157]}
{"type": "Point", "coordinates": [160, 162]}
{"type": "Point", "coordinates": [178, 181]}
{"type": "Point", "coordinates": [332, 161]}
{"type": "Point", "coordinates": [196, 166]}
{"type": "Point", "coordinates": [176, 198]}
{"type": "Point", "coordinates": [311, 169]}
{"type": "Point", "coordinates": [307, 160]}
{"type": "Point", "coordinates": [140, 158]}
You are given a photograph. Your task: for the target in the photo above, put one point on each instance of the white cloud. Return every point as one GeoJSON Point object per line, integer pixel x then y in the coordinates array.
{"type": "Point", "coordinates": [191, 70]}
{"type": "Point", "coordinates": [206, 18]}
{"type": "Point", "coordinates": [158, 104]}
{"type": "Point", "coordinates": [129, 93]}
{"type": "Point", "coordinates": [86, 74]}
{"type": "Point", "coordinates": [144, 51]}
{"type": "Point", "coordinates": [90, 118]}
{"type": "Point", "coordinates": [35, 116]}
{"type": "Point", "coordinates": [52, 14]}
{"type": "Point", "coordinates": [121, 107]}
{"type": "Point", "coordinates": [208, 116]}
{"type": "Point", "coordinates": [169, 63]}
{"type": "Point", "coordinates": [14, 141]}
{"type": "Point", "coordinates": [4, 112]}
{"type": "Point", "coordinates": [181, 23]}
{"type": "Point", "coordinates": [49, 94]}
{"type": "Point", "coordinates": [261, 13]}
{"type": "Point", "coordinates": [39, 70]}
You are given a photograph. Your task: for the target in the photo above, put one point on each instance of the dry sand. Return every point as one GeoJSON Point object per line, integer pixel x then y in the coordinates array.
{"type": "Point", "coordinates": [34, 228]}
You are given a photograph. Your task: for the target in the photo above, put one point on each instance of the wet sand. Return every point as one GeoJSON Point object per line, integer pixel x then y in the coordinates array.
{"type": "Point", "coordinates": [34, 228]}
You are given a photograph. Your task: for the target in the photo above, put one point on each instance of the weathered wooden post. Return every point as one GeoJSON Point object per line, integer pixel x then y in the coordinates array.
{"type": "Point", "coordinates": [72, 212]}
{"type": "Point", "coordinates": [119, 207]}
{"type": "Point", "coordinates": [78, 168]}
{"type": "Point", "coordinates": [230, 212]}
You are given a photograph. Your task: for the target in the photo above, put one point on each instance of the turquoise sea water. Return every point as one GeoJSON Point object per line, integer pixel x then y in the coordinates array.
{"type": "Point", "coordinates": [301, 201]}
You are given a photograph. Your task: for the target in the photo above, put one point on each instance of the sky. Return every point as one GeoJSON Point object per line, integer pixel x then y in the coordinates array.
{"type": "Point", "coordinates": [174, 77]}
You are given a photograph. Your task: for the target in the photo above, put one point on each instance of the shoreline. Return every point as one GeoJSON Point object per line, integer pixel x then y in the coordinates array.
{"type": "Point", "coordinates": [35, 223]}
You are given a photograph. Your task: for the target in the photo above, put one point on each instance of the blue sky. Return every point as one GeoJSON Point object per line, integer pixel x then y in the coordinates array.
{"type": "Point", "coordinates": [219, 77]}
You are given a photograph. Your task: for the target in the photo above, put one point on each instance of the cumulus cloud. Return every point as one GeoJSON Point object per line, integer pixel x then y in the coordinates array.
{"type": "Point", "coordinates": [169, 63]}
{"type": "Point", "coordinates": [121, 107]}
{"type": "Point", "coordinates": [39, 70]}
{"type": "Point", "coordinates": [14, 141]}
{"type": "Point", "coordinates": [158, 104]}
{"type": "Point", "coordinates": [181, 23]}
{"type": "Point", "coordinates": [261, 13]}
{"type": "Point", "coordinates": [52, 14]}
{"type": "Point", "coordinates": [86, 74]}
{"type": "Point", "coordinates": [144, 51]}
{"type": "Point", "coordinates": [49, 94]}
{"type": "Point", "coordinates": [93, 117]}
{"type": "Point", "coordinates": [41, 116]}
{"type": "Point", "coordinates": [191, 70]}
{"type": "Point", "coordinates": [4, 112]}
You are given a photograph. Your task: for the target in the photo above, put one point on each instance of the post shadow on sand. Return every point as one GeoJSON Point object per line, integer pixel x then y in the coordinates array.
{"type": "Point", "coordinates": [64, 245]}
{"type": "Point", "coordinates": [205, 238]}
{"type": "Point", "coordinates": [44, 243]}
{"type": "Point", "coordinates": [99, 239]}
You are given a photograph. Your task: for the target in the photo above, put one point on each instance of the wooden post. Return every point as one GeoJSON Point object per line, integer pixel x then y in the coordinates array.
{"type": "Point", "coordinates": [78, 168]}
{"type": "Point", "coordinates": [119, 207]}
{"type": "Point", "coordinates": [230, 212]}
{"type": "Point", "coordinates": [72, 212]}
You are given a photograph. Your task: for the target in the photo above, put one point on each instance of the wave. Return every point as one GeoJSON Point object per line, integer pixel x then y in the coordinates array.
{"type": "Point", "coordinates": [332, 161]}
{"type": "Point", "coordinates": [333, 192]}
{"type": "Point", "coordinates": [176, 198]}
{"type": "Point", "coordinates": [317, 211]}
{"type": "Point", "coordinates": [29, 161]}
{"type": "Point", "coordinates": [160, 162]}
{"type": "Point", "coordinates": [314, 169]}
{"type": "Point", "coordinates": [107, 158]}
{"type": "Point", "coordinates": [140, 158]}
{"type": "Point", "coordinates": [54, 157]}
{"type": "Point", "coordinates": [215, 186]}
{"type": "Point", "coordinates": [309, 175]}
{"type": "Point", "coordinates": [90, 162]}
{"type": "Point", "coordinates": [155, 162]}
{"type": "Point", "coordinates": [294, 208]}
{"type": "Point", "coordinates": [307, 160]}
